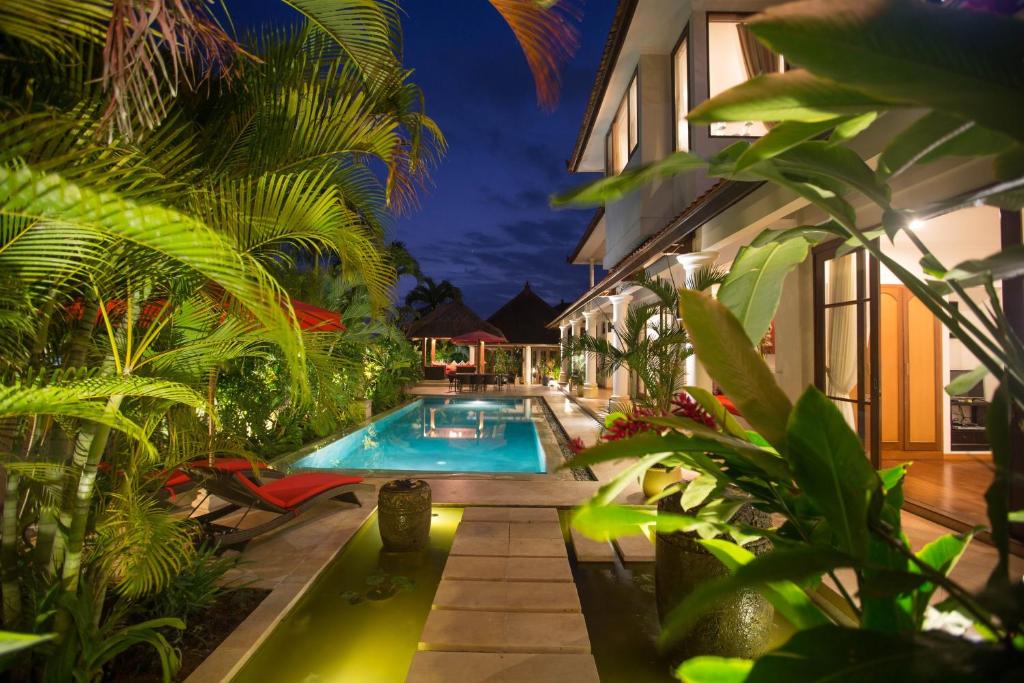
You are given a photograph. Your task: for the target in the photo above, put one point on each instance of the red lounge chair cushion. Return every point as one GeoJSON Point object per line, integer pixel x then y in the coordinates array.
{"type": "Point", "coordinates": [177, 478]}
{"type": "Point", "coordinates": [295, 489]}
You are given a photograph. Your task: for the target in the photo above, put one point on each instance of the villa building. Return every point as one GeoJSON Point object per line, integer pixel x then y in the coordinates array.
{"type": "Point", "coordinates": [845, 323]}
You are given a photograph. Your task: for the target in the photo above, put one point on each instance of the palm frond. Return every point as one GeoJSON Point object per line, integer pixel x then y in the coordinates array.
{"type": "Point", "coordinates": [548, 36]}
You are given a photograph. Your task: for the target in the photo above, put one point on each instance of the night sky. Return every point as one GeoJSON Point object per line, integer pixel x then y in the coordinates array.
{"type": "Point", "coordinates": [486, 224]}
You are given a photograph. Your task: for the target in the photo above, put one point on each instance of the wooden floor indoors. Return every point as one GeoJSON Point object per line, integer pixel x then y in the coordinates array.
{"type": "Point", "coordinates": [952, 486]}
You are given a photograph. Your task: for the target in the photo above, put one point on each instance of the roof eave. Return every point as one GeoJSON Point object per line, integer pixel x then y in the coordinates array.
{"type": "Point", "coordinates": [612, 47]}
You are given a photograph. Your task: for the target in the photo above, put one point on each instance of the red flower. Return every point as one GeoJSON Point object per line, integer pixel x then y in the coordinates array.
{"type": "Point", "coordinates": [576, 445]}
{"type": "Point", "coordinates": [683, 406]}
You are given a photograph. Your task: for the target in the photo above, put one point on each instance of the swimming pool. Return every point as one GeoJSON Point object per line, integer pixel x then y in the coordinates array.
{"type": "Point", "coordinates": [440, 435]}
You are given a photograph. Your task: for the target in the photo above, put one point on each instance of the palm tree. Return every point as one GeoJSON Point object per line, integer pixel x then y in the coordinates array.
{"type": "Point", "coordinates": [429, 294]}
{"type": "Point", "coordinates": [651, 342]}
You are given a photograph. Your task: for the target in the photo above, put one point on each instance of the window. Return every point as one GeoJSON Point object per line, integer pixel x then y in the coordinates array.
{"type": "Point", "coordinates": [623, 135]}
{"type": "Point", "coordinates": [735, 56]}
{"type": "Point", "coordinates": [681, 85]}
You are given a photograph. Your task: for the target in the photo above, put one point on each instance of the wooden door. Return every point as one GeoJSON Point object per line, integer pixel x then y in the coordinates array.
{"type": "Point", "coordinates": [911, 373]}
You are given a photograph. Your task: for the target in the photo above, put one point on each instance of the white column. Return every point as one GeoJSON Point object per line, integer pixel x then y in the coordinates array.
{"type": "Point", "coordinates": [590, 384]}
{"type": "Point", "coordinates": [577, 329]}
{"type": "Point", "coordinates": [528, 365]}
{"type": "Point", "coordinates": [472, 355]}
{"type": "Point", "coordinates": [563, 375]}
{"type": "Point", "coordinates": [620, 377]}
{"type": "Point", "coordinates": [695, 373]}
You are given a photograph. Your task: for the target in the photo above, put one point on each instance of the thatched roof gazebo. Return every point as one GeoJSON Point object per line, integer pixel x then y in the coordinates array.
{"type": "Point", "coordinates": [454, 319]}
{"type": "Point", "coordinates": [450, 320]}
{"type": "Point", "coordinates": [524, 319]}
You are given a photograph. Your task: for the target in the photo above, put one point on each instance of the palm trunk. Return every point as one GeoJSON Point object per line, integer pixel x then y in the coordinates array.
{"type": "Point", "coordinates": [211, 391]}
{"type": "Point", "coordinates": [81, 507]}
{"type": "Point", "coordinates": [49, 547]}
{"type": "Point", "coordinates": [9, 554]}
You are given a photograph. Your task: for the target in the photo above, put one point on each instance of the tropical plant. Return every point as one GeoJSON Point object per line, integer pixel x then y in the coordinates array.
{"type": "Point", "coordinates": [429, 294]}
{"type": "Point", "coordinates": [804, 463]}
{"type": "Point", "coordinates": [651, 342]}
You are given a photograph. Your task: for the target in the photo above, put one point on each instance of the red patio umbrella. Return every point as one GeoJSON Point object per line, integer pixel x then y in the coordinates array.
{"type": "Point", "coordinates": [310, 317]}
{"type": "Point", "coordinates": [478, 336]}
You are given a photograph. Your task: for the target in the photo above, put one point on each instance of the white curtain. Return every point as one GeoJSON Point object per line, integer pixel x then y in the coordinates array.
{"type": "Point", "coordinates": [841, 363]}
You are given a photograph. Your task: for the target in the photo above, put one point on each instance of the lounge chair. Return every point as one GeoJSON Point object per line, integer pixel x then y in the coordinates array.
{"type": "Point", "coordinates": [287, 495]}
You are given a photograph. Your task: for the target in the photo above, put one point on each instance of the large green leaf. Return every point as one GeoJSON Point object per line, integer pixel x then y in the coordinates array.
{"type": "Point", "coordinates": [941, 554]}
{"type": "Point", "coordinates": [784, 136]}
{"type": "Point", "coordinates": [831, 469]}
{"type": "Point", "coordinates": [962, 62]}
{"type": "Point", "coordinates": [615, 187]}
{"type": "Point", "coordinates": [1003, 265]}
{"type": "Point", "coordinates": [754, 285]}
{"type": "Point", "coordinates": [714, 670]}
{"type": "Point", "coordinates": [795, 95]}
{"type": "Point", "coordinates": [788, 598]}
{"type": "Point", "coordinates": [822, 161]}
{"type": "Point", "coordinates": [724, 348]}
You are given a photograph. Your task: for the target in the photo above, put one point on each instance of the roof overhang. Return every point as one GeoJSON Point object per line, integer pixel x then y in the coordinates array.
{"type": "Point", "coordinates": [706, 207]}
{"type": "Point", "coordinates": [590, 248]}
{"type": "Point", "coordinates": [639, 27]}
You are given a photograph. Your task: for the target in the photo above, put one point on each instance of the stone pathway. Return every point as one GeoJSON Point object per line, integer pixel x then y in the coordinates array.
{"type": "Point", "coordinates": [507, 609]}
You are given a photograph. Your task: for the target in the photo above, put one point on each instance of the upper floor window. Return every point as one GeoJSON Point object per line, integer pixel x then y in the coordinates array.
{"type": "Point", "coordinates": [681, 88]}
{"type": "Point", "coordinates": [735, 56]}
{"type": "Point", "coordinates": [623, 135]}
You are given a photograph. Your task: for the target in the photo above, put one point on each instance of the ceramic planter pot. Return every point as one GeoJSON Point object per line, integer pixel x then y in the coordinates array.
{"type": "Point", "coordinates": [656, 479]}
{"type": "Point", "coordinates": [403, 514]}
{"type": "Point", "coordinates": [740, 625]}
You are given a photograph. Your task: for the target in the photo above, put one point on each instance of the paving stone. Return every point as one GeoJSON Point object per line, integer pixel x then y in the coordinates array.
{"type": "Point", "coordinates": [589, 550]}
{"type": "Point", "coordinates": [473, 631]}
{"type": "Point", "coordinates": [538, 569]}
{"type": "Point", "coordinates": [488, 667]}
{"type": "Point", "coordinates": [537, 547]}
{"type": "Point", "coordinates": [636, 548]}
{"type": "Point", "coordinates": [536, 530]}
{"type": "Point", "coordinates": [506, 514]}
{"type": "Point", "coordinates": [472, 568]}
{"type": "Point", "coordinates": [469, 568]}
{"type": "Point", "coordinates": [479, 545]}
{"type": "Point", "coordinates": [484, 529]}
{"type": "Point", "coordinates": [507, 596]}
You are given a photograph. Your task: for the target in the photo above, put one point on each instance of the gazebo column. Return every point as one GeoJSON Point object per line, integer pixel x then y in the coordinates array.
{"type": "Point", "coordinates": [563, 360]}
{"type": "Point", "coordinates": [528, 365]}
{"type": "Point", "coordinates": [590, 383]}
{"type": "Point", "coordinates": [577, 330]}
{"type": "Point", "coordinates": [433, 351]}
{"type": "Point", "coordinates": [696, 375]}
{"type": "Point", "coordinates": [482, 352]}
{"type": "Point", "coordinates": [472, 355]}
{"type": "Point", "coordinates": [423, 349]}
{"type": "Point", "coordinates": [620, 377]}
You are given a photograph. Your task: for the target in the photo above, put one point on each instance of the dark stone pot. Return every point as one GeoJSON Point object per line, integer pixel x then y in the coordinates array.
{"type": "Point", "coordinates": [403, 514]}
{"type": "Point", "coordinates": [740, 625]}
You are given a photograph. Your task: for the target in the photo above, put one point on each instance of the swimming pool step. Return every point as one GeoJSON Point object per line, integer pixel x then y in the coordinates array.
{"type": "Point", "coordinates": [490, 667]}
{"type": "Point", "coordinates": [479, 631]}
{"type": "Point", "coordinates": [470, 568]}
{"type": "Point", "coordinates": [507, 596]}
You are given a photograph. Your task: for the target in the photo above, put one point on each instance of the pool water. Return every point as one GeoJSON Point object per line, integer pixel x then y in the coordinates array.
{"type": "Point", "coordinates": [440, 435]}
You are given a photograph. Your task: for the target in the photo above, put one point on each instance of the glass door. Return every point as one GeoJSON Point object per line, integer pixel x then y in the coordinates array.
{"type": "Point", "coordinates": [846, 286]}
